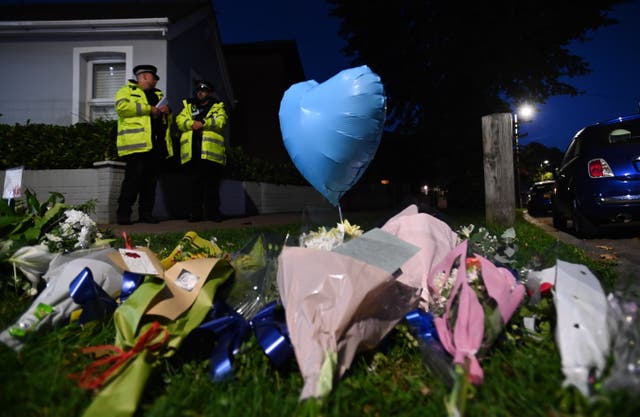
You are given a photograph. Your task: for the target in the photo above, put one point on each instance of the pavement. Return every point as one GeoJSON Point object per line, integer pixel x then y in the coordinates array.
{"type": "Point", "coordinates": [320, 216]}
{"type": "Point", "coordinates": [624, 252]}
{"type": "Point", "coordinates": [182, 225]}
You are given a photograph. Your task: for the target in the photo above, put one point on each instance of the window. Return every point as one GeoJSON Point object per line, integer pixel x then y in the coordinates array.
{"type": "Point", "coordinates": [619, 135]}
{"type": "Point", "coordinates": [98, 73]}
{"type": "Point", "coordinates": [105, 80]}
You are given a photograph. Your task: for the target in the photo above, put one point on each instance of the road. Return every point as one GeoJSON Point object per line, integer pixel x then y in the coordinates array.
{"type": "Point", "coordinates": [624, 251]}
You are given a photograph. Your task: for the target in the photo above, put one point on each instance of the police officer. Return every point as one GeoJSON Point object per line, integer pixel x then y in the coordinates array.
{"type": "Point", "coordinates": [202, 150]}
{"type": "Point", "coordinates": [143, 141]}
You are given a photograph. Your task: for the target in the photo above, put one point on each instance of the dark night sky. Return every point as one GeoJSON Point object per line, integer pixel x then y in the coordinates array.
{"type": "Point", "coordinates": [611, 90]}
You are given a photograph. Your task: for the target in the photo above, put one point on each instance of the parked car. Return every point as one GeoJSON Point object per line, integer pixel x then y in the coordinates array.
{"type": "Point", "coordinates": [598, 182]}
{"type": "Point", "coordinates": [540, 198]}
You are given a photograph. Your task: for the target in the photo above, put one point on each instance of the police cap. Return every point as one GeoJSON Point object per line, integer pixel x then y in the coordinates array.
{"type": "Point", "coordinates": [204, 85]}
{"type": "Point", "coordinates": [139, 69]}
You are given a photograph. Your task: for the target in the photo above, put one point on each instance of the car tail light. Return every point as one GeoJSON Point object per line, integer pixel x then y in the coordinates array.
{"type": "Point", "coordinates": [599, 168]}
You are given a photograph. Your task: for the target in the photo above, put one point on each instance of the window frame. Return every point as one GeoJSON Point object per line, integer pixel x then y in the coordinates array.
{"type": "Point", "coordinates": [83, 60]}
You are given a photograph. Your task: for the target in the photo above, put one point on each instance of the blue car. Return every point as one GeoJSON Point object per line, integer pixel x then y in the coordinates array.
{"type": "Point", "coordinates": [598, 182]}
{"type": "Point", "coordinates": [539, 198]}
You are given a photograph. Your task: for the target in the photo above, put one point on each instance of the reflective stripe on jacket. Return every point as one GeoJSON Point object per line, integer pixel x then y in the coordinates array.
{"type": "Point", "coordinates": [213, 147]}
{"type": "Point", "coordinates": [134, 121]}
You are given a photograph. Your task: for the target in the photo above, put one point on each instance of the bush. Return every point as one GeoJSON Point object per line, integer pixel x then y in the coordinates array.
{"type": "Point", "coordinates": [40, 146]}
{"type": "Point", "coordinates": [244, 167]}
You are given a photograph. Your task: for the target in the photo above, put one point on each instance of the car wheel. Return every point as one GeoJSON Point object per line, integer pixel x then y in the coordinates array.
{"type": "Point", "coordinates": [582, 226]}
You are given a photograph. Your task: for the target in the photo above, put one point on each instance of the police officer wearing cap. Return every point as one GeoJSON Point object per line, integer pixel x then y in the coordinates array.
{"type": "Point", "coordinates": [202, 150]}
{"type": "Point", "coordinates": [143, 142]}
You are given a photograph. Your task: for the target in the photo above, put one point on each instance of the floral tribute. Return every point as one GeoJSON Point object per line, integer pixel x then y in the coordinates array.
{"type": "Point", "coordinates": [341, 291]}
{"type": "Point", "coordinates": [76, 231]}
{"type": "Point", "coordinates": [480, 299]}
{"type": "Point", "coordinates": [338, 301]}
{"type": "Point", "coordinates": [33, 233]}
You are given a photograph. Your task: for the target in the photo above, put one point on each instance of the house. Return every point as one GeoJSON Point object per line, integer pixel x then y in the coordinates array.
{"type": "Point", "coordinates": [260, 74]}
{"type": "Point", "coordinates": [62, 63]}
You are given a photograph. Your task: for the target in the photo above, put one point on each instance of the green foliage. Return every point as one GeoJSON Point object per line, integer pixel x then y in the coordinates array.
{"type": "Point", "coordinates": [244, 167]}
{"type": "Point", "coordinates": [537, 162]}
{"type": "Point", "coordinates": [26, 220]}
{"type": "Point", "coordinates": [40, 146]}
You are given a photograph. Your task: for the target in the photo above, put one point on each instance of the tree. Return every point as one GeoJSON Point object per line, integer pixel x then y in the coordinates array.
{"type": "Point", "coordinates": [535, 161]}
{"type": "Point", "coordinates": [445, 65]}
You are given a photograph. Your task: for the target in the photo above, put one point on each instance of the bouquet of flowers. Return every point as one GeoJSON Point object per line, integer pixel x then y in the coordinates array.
{"type": "Point", "coordinates": [341, 301]}
{"type": "Point", "coordinates": [254, 283]}
{"type": "Point", "coordinates": [328, 239]}
{"type": "Point", "coordinates": [473, 299]}
{"type": "Point", "coordinates": [192, 246]}
{"type": "Point", "coordinates": [76, 231]}
{"type": "Point", "coordinates": [150, 325]}
{"type": "Point", "coordinates": [41, 231]}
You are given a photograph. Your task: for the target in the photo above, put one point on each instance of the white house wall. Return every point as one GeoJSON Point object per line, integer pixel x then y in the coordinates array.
{"type": "Point", "coordinates": [36, 78]}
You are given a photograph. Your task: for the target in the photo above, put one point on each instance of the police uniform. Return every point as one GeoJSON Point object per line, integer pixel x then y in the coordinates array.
{"type": "Point", "coordinates": [142, 142]}
{"type": "Point", "coordinates": [203, 152]}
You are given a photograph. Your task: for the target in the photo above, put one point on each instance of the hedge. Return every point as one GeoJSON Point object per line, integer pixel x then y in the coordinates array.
{"type": "Point", "coordinates": [41, 146]}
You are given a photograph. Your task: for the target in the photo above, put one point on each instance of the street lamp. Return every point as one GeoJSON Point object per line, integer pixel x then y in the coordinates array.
{"type": "Point", "coordinates": [526, 112]}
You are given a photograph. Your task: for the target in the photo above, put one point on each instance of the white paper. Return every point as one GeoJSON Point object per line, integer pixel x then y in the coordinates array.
{"type": "Point", "coordinates": [186, 280]}
{"type": "Point", "coordinates": [582, 334]}
{"type": "Point", "coordinates": [379, 248]}
{"type": "Point", "coordinates": [13, 183]}
{"type": "Point", "coordinates": [163, 102]}
{"type": "Point", "coordinates": [138, 262]}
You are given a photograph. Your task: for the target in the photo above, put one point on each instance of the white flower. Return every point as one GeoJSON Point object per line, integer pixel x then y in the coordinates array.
{"type": "Point", "coordinates": [77, 231]}
{"type": "Point", "coordinates": [509, 235]}
{"type": "Point", "coordinates": [32, 261]}
{"type": "Point", "coordinates": [53, 238]}
{"type": "Point", "coordinates": [328, 239]}
{"type": "Point", "coordinates": [472, 274]}
{"type": "Point", "coordinates": [465, 231]}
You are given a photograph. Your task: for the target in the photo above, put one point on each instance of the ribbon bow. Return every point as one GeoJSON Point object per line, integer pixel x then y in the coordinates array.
{"type": "Point", "coordinates": [434, 355]}
{"type": "Point", "coordinates": [421, 325]}
{"type": "Point", "coordinates": [93, 377]}
{"type": "Point", "coordinates": [95, 302]}
{"type": "Point", "coordinates": [228, 330]}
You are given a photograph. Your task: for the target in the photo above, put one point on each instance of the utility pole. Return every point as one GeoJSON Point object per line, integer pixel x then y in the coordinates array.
{"type": "Point", "coordinates": [516, 159]}
{"type": "Point", "coordinates": [497, 145]}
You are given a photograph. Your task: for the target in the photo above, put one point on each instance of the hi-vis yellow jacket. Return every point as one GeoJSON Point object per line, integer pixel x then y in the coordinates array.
{"type": "Point", "coordinates": [213, 147]}
{"type": "Point", "coordinates": [134, 121]}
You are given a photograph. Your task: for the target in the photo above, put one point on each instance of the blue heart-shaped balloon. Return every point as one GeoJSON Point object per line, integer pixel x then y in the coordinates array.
{"type": "Point", "coordinates": [332, 130]}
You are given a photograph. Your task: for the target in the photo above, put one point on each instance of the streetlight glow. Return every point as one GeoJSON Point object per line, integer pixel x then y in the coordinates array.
{"type": "Point", "coordinates": [526, 111]}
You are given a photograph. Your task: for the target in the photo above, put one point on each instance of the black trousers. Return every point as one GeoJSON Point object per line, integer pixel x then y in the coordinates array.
{"type": "Point", "coordinates": [204, 187]}
{"type": "Point", "coordinates": [140, 178]}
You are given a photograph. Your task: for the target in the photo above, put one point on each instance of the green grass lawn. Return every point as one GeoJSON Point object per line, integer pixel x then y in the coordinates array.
{"type": "Point", "coordinates": [523, 376]}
